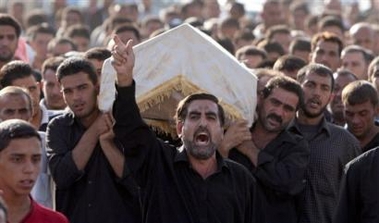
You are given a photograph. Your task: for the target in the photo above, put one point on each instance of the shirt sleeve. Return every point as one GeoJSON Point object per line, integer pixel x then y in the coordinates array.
{"type": "Point", "coordinates": [284, 173]}
{"type": "Point", "coordinates": [133, 134]}
{"type": "Point", "coordinates": [61, 163]}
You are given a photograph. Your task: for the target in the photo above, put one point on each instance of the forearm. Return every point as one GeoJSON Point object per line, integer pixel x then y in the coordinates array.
{"type": "Point", "coordinates": [83, 150]}
{"type": "Point", "coordinates": [114, 156]}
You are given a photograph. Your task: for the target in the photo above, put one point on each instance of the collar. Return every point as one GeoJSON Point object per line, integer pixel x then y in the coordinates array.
{"type": "Point", "coordinates": [45, 115]}
{"type": "Point", "coordinates": [323, 126]}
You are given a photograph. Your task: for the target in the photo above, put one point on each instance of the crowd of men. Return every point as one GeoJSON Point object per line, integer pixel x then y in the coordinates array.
{"type": "Point", "coordinates": [310, 156]}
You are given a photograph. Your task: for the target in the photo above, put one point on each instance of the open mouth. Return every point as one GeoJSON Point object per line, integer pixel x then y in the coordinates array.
{"type": "Point", "coordinates": [202, 138]}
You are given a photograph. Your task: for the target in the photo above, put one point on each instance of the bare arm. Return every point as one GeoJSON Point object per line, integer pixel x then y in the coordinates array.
{"type": "Point", "coordinates": [237, 133]}
{"type": "Point", "coordinates": [87, 143]}
{"type": "Point", "coordinates": [111, 152]}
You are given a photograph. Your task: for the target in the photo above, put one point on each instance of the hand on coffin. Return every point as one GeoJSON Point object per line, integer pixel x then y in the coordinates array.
{"type": "Point", "coordinates": [123, 61]}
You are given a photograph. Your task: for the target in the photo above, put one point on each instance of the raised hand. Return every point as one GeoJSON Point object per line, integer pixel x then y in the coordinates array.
{"type": "Point", "coordinates": [123, 61]}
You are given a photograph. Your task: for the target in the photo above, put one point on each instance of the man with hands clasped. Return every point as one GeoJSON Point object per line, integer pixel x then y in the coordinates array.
{"type": "Point", "coordinates": [86, 162]}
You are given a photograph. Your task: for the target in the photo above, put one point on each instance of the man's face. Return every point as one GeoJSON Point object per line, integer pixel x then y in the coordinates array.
{"type": "Point", "coordinates": [356, 63]}
{"type": "Point", "coordinates": [364, 37]}
{"type": "Point", "coordinates": [52, 92]}
{"type": "Point", "coordinates": [326, 53]}
{"type": "Point", "coordinates": [201, 131]}
{"type": "Point", "coordinates": [33, 88]}
{"type": "Point", "coordinates": [251, 61]}
{"type": "Point", "coordinates": [20, 164]}
{"type": "Point", "coordinates": [15, 107]}
{"type": "Point", "coordinates": [360, 118]}
{"type": "Point", "coordinates": [82, 43]}
{"type": "Point", "coordinates": [317, 94]}
{"type": "Point", "coordinates": [80, 94]}
{"type": "Point", "coordinates": [284, 39]}
{"type": "Point", "coordinates": [8, 43]}
{"type": "Point", "coordinates": [375, 77]}
{"type": "Point", "coordinates": [98, 64]}
{"type": "Point", "coordinates": [277, 110]}
{"type": "Point", "coordinates": [336, 105]}
{"type": "Point", "coordinates": [39, 44]}
{"type": "Point", "coordinates": [272, 14]}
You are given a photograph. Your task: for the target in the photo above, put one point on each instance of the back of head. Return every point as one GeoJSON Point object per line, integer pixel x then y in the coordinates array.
{"type": "Point", "coordinates": [74, 65]}
{"type": "Point", "coordinates": [14, 70]}
{"type": "Point", "coordinates": [98, 53]}
{"type": "Point", "coordinates": [289, 63]}
{"type": "Point", "coordinates": [16, 129]}
{"type": "Point", "coordinates": [358, 92]}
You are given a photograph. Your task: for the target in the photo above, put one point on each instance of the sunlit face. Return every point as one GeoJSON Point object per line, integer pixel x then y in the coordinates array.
{"type": "Point", "coordinates": [98, 64]}
{"type": "Point", "coordinates": [201, 131]}
{"type": "Point", "coordinates": [52, 92]}
{"type": "Point", "coordinates": [34, 89]}
{"type": "Point", "coordinates": [284, 39]}
{"type": "Point", "coordinates": [277, 110]}
{"type": "Point", "coordinates": [317, 94]}
{"type": "Point", "coordinates": [336, 105]}
{"type": "Point", "coordinates": [327, 53]}
{"type": "Point", "coordinates": [251, 61]}
{"type": "Point", "coordinates": [8, 43]}
{"type": "Point", "coordinates": [375, 77]}
{"type": "Point", "coordinates": [20, 164]}
{"type": "Point", "coordinates": [364, 37]}
{"type": "Point", "coordinates": [39, 44]}
{"type": "Point", "coordinates": [356, 63]}
{"type": "Point", "coordinates": [15, 106]}
{"type": "Point", "coordinates": [80, 94]}
{"type": "Point", "coordinates": [82, 43]}
{"type": "Point", "coordinates": [273, 14]}
{"type": "Point", "coordinates": [360, 118]}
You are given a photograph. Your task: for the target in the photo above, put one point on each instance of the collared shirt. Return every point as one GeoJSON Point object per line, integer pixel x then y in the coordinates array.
{"type": "Point", "coordinates": [331, 147]}
{"type": "Point", "coordinates": [41, 214]}
{"type": "Point", "coordinates": [94, 194]}
{"type": "Point", "coordinates": [359, 199]}
{"type": "Point", "coordinates": [173, 191]}
{"type": "Point", "coordinates": [280, 173]}
{"type": "Point", "coordinates": [47, 115]}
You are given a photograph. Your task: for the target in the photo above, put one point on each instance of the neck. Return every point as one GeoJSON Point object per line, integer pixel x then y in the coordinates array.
{"type": "Point", "coordinates": [88, 120]}
{"type": "Point", "coordinates": [36, 119]}
{"type": "Point", "coordinates": [364, 140]}
{"type": "Point", "coordinates": [203, 167]}
{"type": "Point", "coordinates": [305, 120]}
{"type": "Point", "coordinates": [261, 136]}
{"type": "Point", "coordinates": [18, 207]}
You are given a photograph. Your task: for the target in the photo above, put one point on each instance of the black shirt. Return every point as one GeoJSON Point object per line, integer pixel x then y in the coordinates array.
{"type": "Point", "coordinates": [280, 174]}
{"type": "Point", "coordinates": [173, 191]}
{"type": "Point", "coordinates": [95, 194]}
{"type": "Point", "coordinates": [359, 198]}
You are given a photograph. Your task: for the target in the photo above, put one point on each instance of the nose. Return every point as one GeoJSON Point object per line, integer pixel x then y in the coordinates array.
{"type": "Point", "coordinates": [203, 121]}
{"type": "Point", "coordinates": [29, 167]}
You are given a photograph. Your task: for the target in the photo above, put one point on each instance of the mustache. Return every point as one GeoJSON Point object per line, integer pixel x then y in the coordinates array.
{"type": "Point", "coordinates": [275, 117]}
{"type": "Point", "coordinates": [202, 129]}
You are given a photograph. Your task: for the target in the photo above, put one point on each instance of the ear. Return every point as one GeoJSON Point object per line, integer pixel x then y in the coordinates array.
{"type": "Point", "coordinates": [97, 88]}
{"type": "Point", "coordinates": [179, 128]}
{"type": "Point", "coordinates": [332, 95]}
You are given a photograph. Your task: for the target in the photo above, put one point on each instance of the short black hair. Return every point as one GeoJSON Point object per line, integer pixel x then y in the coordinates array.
{"type": "Point", "coordinates": [98, 53]}
{"type": "Point", "coordinates": [318, 69]}
{"type": "Point", "coordinates": [8, 20]}
{"type": "Point", "coordinates": [182, 108]}
{"type": "Point", "coordinates": [15, 70]}
{"type": "Point", "coordinates": [74, 65]}
{"type": "Point", "coordinates": [287, 84]}
{"type": "Point", "coordinates": [16, 129]}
